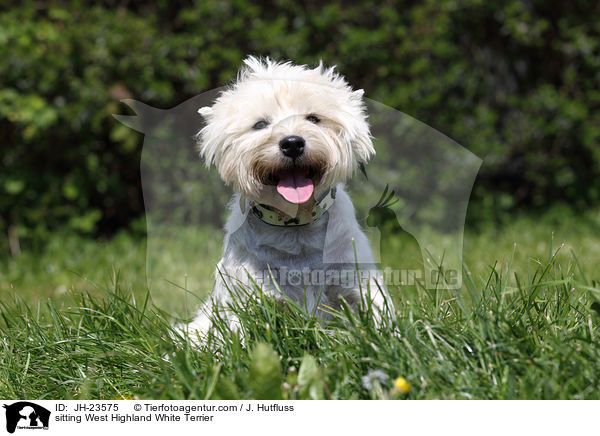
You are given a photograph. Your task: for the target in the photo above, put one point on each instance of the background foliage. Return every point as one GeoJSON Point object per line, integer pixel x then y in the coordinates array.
{"type": "Point", "coordinates": [516, 82]}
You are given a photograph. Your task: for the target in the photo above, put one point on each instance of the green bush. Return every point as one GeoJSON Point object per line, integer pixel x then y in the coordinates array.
{"type": "Point", "coordinates": [515, 82]}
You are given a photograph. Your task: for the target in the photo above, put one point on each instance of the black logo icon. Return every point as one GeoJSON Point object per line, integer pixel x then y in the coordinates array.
{"type": "Point", "coordinates": [26, 415]}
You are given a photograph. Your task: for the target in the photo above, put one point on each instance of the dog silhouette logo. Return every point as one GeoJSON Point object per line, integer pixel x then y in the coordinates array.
{"type": "Point", "coordinates": [416, 232]}
{"type": "Point", "coordinates": [26, 415]}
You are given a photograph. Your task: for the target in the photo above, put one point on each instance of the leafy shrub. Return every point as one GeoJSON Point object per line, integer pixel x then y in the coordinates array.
{"type": "Point", "coordinates": [515, 82]}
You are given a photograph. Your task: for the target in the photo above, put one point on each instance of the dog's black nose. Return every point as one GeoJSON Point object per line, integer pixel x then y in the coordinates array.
{"type": "Point", "coordinates": [292, 146]}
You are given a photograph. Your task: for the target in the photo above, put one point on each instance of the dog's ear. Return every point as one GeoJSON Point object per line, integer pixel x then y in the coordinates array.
{"type": "Point", "coordinates": [205, 111]}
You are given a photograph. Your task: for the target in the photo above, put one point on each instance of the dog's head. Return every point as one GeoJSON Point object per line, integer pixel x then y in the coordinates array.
{"type": "Point", "coordinates": [286, 127]}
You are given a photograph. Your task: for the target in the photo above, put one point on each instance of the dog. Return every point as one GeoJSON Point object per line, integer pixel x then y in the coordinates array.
{"type": "Point", "coordinates": [286, 137]}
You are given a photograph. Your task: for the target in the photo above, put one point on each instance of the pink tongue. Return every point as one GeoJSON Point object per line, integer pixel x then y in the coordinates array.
{"type": "Point", "coordinates": [295, 187]}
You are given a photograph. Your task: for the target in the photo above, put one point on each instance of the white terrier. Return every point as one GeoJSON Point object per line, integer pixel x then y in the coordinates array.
{"type": "Point", "coordinates": [286, 137]}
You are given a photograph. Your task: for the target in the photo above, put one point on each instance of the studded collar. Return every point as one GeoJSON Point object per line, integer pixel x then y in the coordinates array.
{"type": "Point", "coordinates": [275, 217]}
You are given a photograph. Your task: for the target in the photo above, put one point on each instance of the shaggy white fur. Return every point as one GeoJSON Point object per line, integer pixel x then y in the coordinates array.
{"type": "Point", "coordinates": [314, 264]}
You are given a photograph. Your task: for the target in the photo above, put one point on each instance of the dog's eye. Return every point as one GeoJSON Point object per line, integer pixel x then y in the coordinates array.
{"type": "Point", "coordinates": [313, 118]}
{"type": "Point", "coordinates": [260, 125]}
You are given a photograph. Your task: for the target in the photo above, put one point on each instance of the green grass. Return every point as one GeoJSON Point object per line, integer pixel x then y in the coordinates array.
{"type": "Point", "coordinates": [524, 325]}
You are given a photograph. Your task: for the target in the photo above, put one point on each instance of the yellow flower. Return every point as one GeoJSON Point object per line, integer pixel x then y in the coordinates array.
{"type": "Point", "coordinates": [402, 385]}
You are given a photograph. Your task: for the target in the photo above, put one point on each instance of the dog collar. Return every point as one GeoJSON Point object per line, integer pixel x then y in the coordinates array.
{"type": "Point", "coordinates": [275, 217]}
